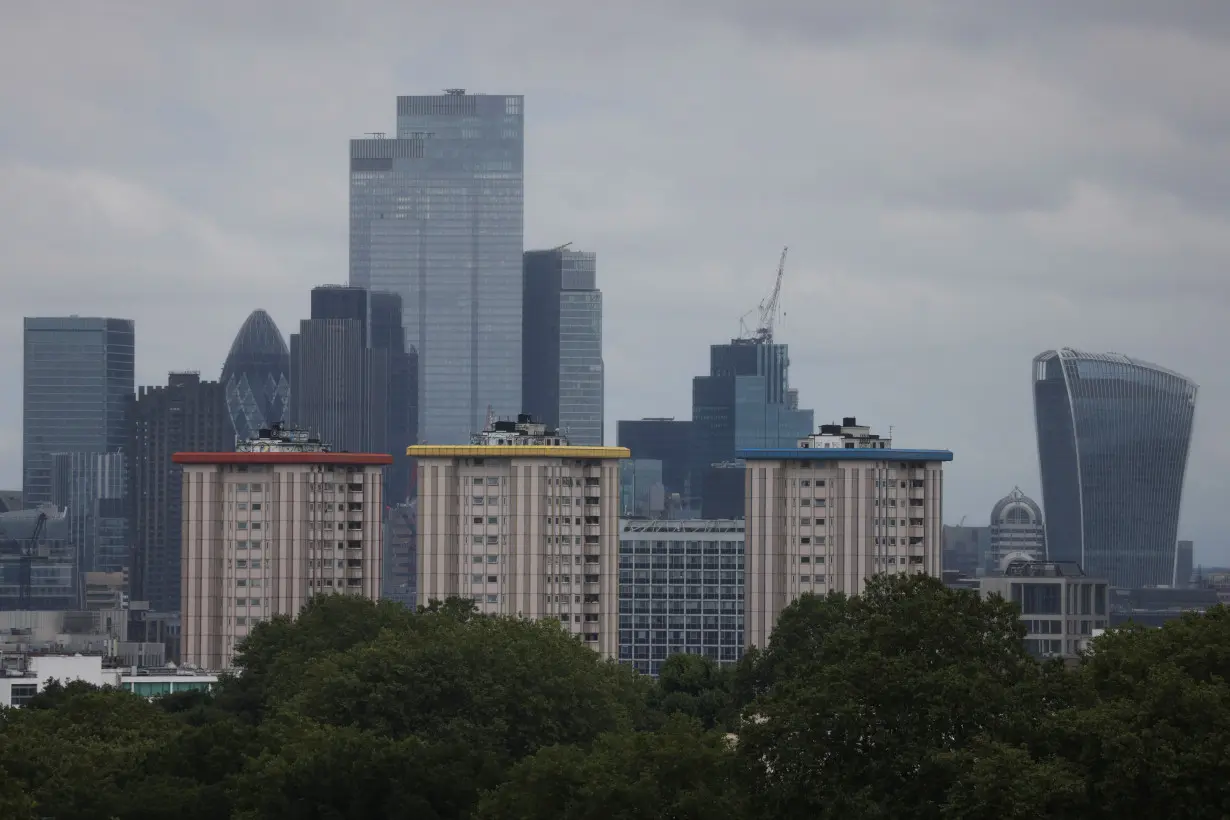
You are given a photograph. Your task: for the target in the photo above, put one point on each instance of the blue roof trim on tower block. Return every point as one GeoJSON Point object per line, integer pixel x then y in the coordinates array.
{"type": "Point", "coordinates": [844, 454]}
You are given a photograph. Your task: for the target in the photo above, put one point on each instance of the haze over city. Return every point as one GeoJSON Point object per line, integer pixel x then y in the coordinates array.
{"type": "Point", "coordinates": [960, 189]}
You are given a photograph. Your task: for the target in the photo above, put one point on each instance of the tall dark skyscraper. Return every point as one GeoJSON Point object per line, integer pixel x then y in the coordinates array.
{"type": "Point", "coordinates": [187, 415]}
{"type": "Point", "coordinates": [78, 379]}
{"type": "Point", "coordinates": [378, 316]}
{"type": "Point", "coordinates": [745, 403]}
{"type": "Point", "coordinates": [1113, 439]}
{"type": "Point", "coordinates": [665, 440]}
{"type": "Point", "coordinates": [256, 376]}
{"type": "Point", "coordinates": [437, 216]}
{"type": "Point", "coordinates": [561, 331]}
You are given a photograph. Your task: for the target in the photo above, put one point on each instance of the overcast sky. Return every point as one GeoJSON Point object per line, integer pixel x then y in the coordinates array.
{"type": "Point", "coordinates": [962, 185]}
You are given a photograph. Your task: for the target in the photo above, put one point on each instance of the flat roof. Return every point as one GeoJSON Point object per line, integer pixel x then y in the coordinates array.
{"type": "Point", "coordinates": [357, 459]}
{"type": "Point", "coordinates": [514, 451]}
{"type": "Point", "coordinates": [845, 454]}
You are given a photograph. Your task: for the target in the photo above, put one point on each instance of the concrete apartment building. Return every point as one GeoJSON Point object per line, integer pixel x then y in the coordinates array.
{"type": "Point", "coordinates": [268, 527]}
{"type": "Point", "coordinates": [524, 524]}
{"type": "Point", "coordinates": [837, 509]}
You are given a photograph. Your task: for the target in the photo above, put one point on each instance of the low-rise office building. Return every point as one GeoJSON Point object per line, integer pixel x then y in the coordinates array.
{"type": "Point", "coordinates": [840, 507]}
{"type": "Point", "coordinates": [24, 676]}
{"type": "Point", "coordinates": [1060, 605]}
{"type": "Point", "coordinates": [523, 524]}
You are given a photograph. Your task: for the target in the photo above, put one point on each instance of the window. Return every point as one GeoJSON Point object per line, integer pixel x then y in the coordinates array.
{"type": "Point", "coordinates": [243, 525]}
{"type": "Point", "coordinates": [477, 559]}
{"type": "Point", "coordinates": [493, 599]}
{"type": "Point", "coordinates": [478, 481]}
{"type": "Point", "coordinates": [242, 505]}
{"type": "Point", "coordinates": [476, 578]}
{"type": "Point", "coordinates": [493, 559]}
{"type": "Point", "coordinates": [21, 693]}
{"type": "Point", "coordinates": [492, 519]}
{"type": "Point", "coordinates": [241, 602]}
{"type": "Point", "coordinates": [478, 519]}
{"type": "Point", "coordinates": [241, 563]}
{"type": "Point", "coordinates": [256, 505]}
{"type": "Point", "coordinates": [254, 601]}
{"type": "Point", "coordinates": [240, 620]}
{"type": "Point", "coordinates": [256, 563]}
{"type": "Point", "coordinates": [493, 481]}
{"type": "Point", "coordinates": [493, 579]}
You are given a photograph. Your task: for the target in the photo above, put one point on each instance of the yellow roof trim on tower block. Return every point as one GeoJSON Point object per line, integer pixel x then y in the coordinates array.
{"type": "Point", "coordinates": [513, 451]}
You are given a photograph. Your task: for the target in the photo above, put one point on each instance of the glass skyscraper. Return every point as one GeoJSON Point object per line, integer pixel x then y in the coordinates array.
{"type": "Point", "coordinates": [562, 376]}
{"type": "Point", "coordinates": [1113, 439]}
{"type": "Point", "coordinates": [745, 403]}
{"type": "Point", "coordinates": [77, 381]}
{"type": "Point", "coordinates": [257, 377]}
{"type": "Point", "coordinates": [437, 216]}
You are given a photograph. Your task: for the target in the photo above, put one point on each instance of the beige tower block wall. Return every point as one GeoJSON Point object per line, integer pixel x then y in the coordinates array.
{"type": "Point", "coordinates": [262, 539]}
{"type": "Point", "coordinates": [819, 526]}
{"type": "Point", "coordinates": [532, 536]}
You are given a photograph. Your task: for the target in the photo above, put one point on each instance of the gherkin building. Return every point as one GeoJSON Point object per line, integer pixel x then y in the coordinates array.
{"type": "Point", "coordinates": [257, 376]}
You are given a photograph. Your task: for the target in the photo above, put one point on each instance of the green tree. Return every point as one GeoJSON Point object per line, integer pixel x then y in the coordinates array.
{"type": "Point", "coordinates": [698, 687]}
{"type": "Point", "coordinates": [858, 701]}
{"type": "Point", "coordinates": [270, 658]}
{"type": "Point", "coordinates": [680, 771]}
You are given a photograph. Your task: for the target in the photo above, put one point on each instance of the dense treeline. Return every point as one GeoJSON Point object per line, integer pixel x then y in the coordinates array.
{"type": "Point", "coordinates": [911, 701]}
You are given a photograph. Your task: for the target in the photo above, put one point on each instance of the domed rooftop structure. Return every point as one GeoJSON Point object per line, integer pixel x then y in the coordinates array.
{"type": "Point", "coordinates": [257, 376]}
{"type": "Point", "coordinates": [1016, 508]}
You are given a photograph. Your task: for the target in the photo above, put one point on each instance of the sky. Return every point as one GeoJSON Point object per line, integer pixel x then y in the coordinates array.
{"type": "Point", "coordinates": [962, 185]}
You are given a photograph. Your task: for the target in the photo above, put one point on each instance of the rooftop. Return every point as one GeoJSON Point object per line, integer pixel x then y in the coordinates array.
{"type": "Point", "coordinates": [844, 454]}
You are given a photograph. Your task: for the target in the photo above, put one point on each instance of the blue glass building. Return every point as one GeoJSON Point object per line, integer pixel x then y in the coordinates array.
{"type": "Point", "coordinates": [78, 378]}
{"type": "Point", "coordinates": [1113, 440]}
{"type": "Point", "coordinates": [256, 376]}
{"type": "Point", "coordinates": [562, 375]}
{"type": "Point", "coordinates": [437, 216]}
{"type": "Point", "coordinates": [745, 403]}
{"type": "Point", "coordinates": [680, 591]}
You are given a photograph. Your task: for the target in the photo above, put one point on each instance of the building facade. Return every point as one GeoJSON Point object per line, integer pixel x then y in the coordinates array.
{"type": "Point", "coordinates": [77, 380]}
{"type": "Point", "coordinates": [1113, 440]}
{"type": "Point", "coordinates": [681, 590]}
{"type": "Point", "coordinates": [1017, 531]}
{"type": "Point", "coordinates": [524, 524]}
{"type": "Point", "coordinates": [641, 492]}
{"type": "Point", "coordinates": [267, 528]}
{"type": "Point", "coordinates": [185, 415]}
{"type": "Point", "coordinates": [400, 581]}
{"type": "Point", "coordinates": [562, 378]}
{"type": "Point", "coordinates": [437, 216]}
{"type": "Point", "coordinates": [745, 403]}
{"type": "Point", "coordinates": [966, 549]}
{"type": "Point", "coordinates": [92, 488]}
{"type": "Point", "coordinates": [826, 515]}
{"type": "Point", "coordinates": [256, 375]}
{"type": "Point", "coordinates": [665, 440]}
{"type": "Point", "coordinates": [1060, 605]}
{"type": "Point", "coordinates": [1183, 565]}
{"type": "Point", "coordinates": [339, 384]}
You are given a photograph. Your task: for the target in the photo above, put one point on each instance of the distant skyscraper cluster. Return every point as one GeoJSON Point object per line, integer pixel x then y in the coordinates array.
{"type": "Point", "coordinates": [435, 427]}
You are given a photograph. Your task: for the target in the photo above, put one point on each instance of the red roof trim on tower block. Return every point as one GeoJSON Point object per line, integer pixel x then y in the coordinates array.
{"type": "Point", "coordinates": [357, 459]}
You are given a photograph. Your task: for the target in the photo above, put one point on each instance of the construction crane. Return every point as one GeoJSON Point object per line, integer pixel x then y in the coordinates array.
{"type": "Point", "coordinates": [763, 334]}
{"type": "Point", "coordinates": [29, 552]}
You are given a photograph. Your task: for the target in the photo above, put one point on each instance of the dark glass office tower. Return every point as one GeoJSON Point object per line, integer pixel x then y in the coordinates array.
{"type": "Point", "coordinates": [340, 385]}
{"type": "Point", "coordinates": [257, 377]}
{"type": "Point", "coordinates": [436, 216]}
{"type": "Point", "coordinates": [187, 415]}
{"type": "Point", "coordinates": [561, 332]}
{"type": "Point", "coordinates": [78, 378]}
{"type": "Point", "coordinates": [665, 440]}
{"type": "Point", "coordinates": [1113, 439]}
{"type": "Point", "coordinates": [745, 403]}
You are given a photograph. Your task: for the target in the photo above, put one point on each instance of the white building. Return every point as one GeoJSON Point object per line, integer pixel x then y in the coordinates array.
{"type": "Point", "coordinates": [523, 524]}
{"type": "Point", "coordinates": [31, 676]}
{"type": "Point", "coordinates": [267, 528]}
{"type": "Point", "coordinates": [830, 513]}
{"type": "Point", "coordinates": [1017, 531]}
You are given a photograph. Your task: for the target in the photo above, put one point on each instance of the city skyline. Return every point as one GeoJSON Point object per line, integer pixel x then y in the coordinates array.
{"type": "Point", "coordinates": [992, 232]}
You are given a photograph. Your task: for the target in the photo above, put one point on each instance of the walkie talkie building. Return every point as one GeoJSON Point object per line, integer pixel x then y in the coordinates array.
{"type": "Point", "coordinates": [1113, 439]}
